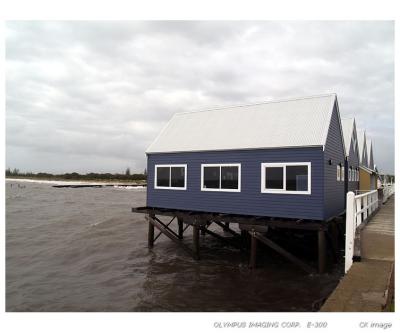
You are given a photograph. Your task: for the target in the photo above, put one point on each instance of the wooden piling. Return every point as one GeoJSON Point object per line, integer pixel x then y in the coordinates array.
{"type": "Point", "coordinates": [243, 238]}
{"type": "Point", "coordinates": [321, 251]}
{"type": "Point", "coordinates": [253, 252]}
{"type": "Point", "coordinates": [283, 252]}
{"type": "Point", "coordinates": [196, 242]}
{"type": "Point", "coordinates": [335, 241]}
{"type": "Point", "coordinates": [180, 228]}
{"type": "Point", "coordinates": [150, 240]}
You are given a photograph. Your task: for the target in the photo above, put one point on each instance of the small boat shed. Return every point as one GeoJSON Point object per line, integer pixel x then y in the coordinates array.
{"type": "Point", "coordinates": [281, 159]}
{"type": "Point", "coordinates": [368, 175]}
{"type": "Point", "coordinates": [278, 164]}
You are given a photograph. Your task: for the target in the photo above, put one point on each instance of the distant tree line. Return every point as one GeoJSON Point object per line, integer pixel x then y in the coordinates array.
{"type": "Point", "coordinates": [76, 176]}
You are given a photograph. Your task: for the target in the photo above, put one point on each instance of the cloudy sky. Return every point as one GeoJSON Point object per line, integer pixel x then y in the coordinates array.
{"type": "Point", "coordinates": [91, 96]}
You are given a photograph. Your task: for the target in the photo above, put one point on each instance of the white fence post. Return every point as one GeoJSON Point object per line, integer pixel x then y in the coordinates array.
{"type": "Point", "coordinates": [350, 229]}
{"type": "Point", "coordinates": [358, 208]}
{"type": "Point", "coordinates": [365, 207]}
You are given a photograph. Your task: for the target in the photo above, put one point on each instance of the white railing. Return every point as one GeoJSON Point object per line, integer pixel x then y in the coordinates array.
{"type": "Point", "coordinates": [358, 209]}
{"type": "Point", "coordinates": [388, 190]}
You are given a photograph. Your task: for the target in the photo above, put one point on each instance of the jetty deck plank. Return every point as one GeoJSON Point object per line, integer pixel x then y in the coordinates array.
{"type": "Point", "coordinates": [366, 286]}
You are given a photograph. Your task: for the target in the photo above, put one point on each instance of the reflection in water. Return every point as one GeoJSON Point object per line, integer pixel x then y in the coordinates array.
{"type": "Point", "coordinates": [83, 250]}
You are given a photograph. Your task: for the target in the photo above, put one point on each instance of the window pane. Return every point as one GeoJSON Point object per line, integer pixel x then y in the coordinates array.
{"type": "Point", "coordinates": [177, 176]}
{"type": "Point", "coordinates": [297, 178]}
{"type": "Point", "coordinates": [274, 177]}
{"type": "Point", "coordinates": [211, 177]}
{"type": "Point", "coordinates": [230, 177]}
{"type": "Point", "coordinates": [163, 176]}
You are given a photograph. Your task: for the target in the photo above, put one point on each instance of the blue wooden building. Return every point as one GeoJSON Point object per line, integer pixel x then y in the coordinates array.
{"type": "Point", "coordinates": [280, 159]}
{"type": "Point", "coordinates": [352, 172]}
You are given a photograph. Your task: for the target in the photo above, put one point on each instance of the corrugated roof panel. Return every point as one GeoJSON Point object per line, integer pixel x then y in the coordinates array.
{"type": "Point", "coordinates": [369, 149]}
{"type": "Point", "coordinates": [361, 143]}
{"type": "Point", "coordinates": [347, 128]}
{"type": "Point", "coordinates": [288, 123]}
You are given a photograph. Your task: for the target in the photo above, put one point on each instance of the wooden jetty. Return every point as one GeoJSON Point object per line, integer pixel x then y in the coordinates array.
{"type": "Point", "coordinates": [254, 228]}
{"type": "Point", "coordinates": [369, 284]}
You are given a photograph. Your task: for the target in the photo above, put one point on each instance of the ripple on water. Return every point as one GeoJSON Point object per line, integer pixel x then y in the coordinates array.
{"type": "Point", "coordinates": [83, 250]}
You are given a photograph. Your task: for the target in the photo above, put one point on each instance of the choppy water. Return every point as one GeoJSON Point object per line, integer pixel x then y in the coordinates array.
{"type": "Point", "coordinates": [83, 250]}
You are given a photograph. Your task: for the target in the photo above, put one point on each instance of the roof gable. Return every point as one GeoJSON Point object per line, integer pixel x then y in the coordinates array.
{"type": "Point", "coordinates": [370, 155]}
{"type": "Point", "coordinates": [348, 128]}
{"type": "Point", "coordinates": [286, 123]}
{"type": "Point", "coordinates": [362, 149]}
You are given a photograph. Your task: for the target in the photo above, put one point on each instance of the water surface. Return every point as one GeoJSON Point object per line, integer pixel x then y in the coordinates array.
{"type": "Point", "coordinates": [83, 250]}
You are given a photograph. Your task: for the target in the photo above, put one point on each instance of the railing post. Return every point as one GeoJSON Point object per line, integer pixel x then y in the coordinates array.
{"type": "Point", "coordinates": [365, 207]}
{"type": "Point", "coordinates": [358, 208]}
{"type": "Point", "coordinates": [350, 221]}
{"type": "Point", "coordinates": [369, 202]}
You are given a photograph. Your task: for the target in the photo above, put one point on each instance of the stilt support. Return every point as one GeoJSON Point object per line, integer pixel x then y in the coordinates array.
{"type": "Point", "coordinates": [227, 240]}
{"type": "Point", "coordinates": [150, 240]}
{"type": "Point", "coordinates": [225, 227]}
{"type": "Point", "coordinates": [321, 251]}
{"type": "Point", "coordinates": [180, 228]}
{"type": "Point", "coordinates": [253, 252]}
{"type": "Point", "coordinates": [155, 222]}
{"type": "Point", "coordinates": [243, 238]}
{"type": "Point", "coordinates": [335, 241]}
{"type": "Point", "coordinates": [196, 242]}
{"type": "Point", "coordinates": [284, 253]}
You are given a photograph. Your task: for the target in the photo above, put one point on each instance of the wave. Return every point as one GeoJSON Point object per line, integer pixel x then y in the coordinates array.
{"type": "Point", "coordinates": [68, 182]}
{"type": "Point", "coordinates": [129, 187]}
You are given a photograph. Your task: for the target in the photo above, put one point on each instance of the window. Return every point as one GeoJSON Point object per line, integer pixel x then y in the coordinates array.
{"type": "Point", "coordinates": [220, 177]}
{"type": "Point", "coordinates": [354, 175]}
{"type": "Point", "coordinates": [171, 177]}
{"type": "Point", "coordinates": [287, 178]}
{"type": "Point", "coordinates": [338, 172]}
{"type": "Point", "coordinates": [274, 178]}
{"type": "Point", "coordinates": [349, 174]}
{"type": "Point", "coordinates": [342, 174]}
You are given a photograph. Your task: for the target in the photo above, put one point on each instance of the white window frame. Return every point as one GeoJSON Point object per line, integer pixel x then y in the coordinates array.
{"type": "Point", "coordinates": [338, 172]}
{"type": "Point", "coordinates": [342, 174]}
{"type": "Point", "coordinates": [283, 190]}
{"type": "Point", "coordinates": [220, 165]}
{"type": "Point", "coordinates": [349, 175]}
{"type": "Point", "coordinates": [169, 166]}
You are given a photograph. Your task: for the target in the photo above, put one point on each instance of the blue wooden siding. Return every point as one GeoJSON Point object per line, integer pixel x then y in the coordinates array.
{"type": "Point", "coordinates": [353, 161]}
{"type": "Point", "coordinates": [334, 202]}
{"type": "Point", "coordinates": [250, 201]}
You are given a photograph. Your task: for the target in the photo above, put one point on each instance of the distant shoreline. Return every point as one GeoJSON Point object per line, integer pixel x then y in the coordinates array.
{"type": "Point", "coordinates": [64, 181]}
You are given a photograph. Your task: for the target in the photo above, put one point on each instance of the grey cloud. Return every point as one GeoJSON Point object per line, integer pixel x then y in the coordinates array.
{"type": "Point", "coordinates": [91, 96]}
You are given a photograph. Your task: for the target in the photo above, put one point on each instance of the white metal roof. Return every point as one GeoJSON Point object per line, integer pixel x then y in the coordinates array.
{"type": "Point", "coordinates": [369, 149]}
{"type": "Point", "coordinates": [361, 143]}
{"type": "Point", "coordinates": [285, 123]}
{"type": "Point", "coordinates": [347, 128]}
